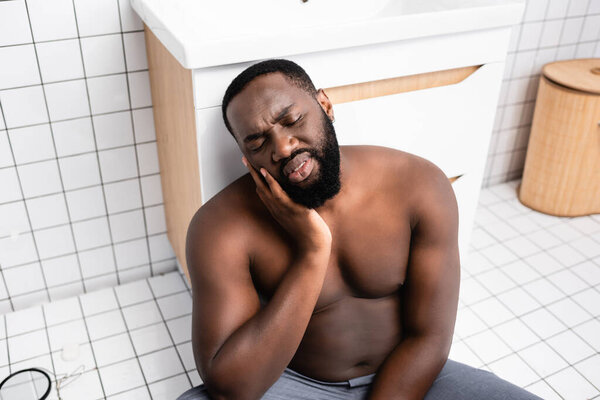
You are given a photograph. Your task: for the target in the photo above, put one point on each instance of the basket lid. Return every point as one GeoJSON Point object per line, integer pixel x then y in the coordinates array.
{"type": "Point", "coordinates": [581, 74]}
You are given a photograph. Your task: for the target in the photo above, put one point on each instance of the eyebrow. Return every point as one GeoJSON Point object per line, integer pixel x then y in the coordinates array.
{"type": "Point", "coordinates": [279, 116]}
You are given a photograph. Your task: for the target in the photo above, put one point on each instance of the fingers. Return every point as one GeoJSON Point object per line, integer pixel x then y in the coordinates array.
{"type": "Point", "coordinates": [259, 182]}
{"type": "Point", "coordinates": [273, 185]}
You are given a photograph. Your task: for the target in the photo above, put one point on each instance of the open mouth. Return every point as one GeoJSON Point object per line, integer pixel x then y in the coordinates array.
{"type": "Point", "coordinates": [299, 167]}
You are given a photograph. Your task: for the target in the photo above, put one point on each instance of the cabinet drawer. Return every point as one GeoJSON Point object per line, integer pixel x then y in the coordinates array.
{"type": "Point", "coordinates": [448, 125]}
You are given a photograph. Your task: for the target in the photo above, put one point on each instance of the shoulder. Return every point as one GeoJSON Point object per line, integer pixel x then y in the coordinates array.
{"type": "Point", "coordinates": [225, 222]}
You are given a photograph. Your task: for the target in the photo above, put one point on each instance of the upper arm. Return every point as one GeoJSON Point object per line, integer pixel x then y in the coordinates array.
{"type": "Point", "coordinates": [224, 297]}
{"type": "Point", "coordinates": [430, 294]}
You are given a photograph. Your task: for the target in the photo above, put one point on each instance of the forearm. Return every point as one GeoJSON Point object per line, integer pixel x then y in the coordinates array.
{"type": "Point", "coordinates": [409, 371]}
{"type": "Point", "coordinates": [255, 355]}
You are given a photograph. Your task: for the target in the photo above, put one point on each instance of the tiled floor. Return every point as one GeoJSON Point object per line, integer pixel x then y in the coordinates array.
{"type": "Point", "coordinates": [529, 311]}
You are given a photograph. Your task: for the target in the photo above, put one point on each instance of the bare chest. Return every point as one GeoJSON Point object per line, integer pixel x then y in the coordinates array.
{"type": "Point", "coordinates": [369, 259]}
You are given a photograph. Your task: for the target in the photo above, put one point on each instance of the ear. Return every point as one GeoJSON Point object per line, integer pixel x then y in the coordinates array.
{"type": "Point", "coordinates": [325, 103]}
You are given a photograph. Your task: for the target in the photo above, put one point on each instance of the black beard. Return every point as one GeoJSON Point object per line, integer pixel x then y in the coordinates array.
{"type": "Point", "coordinates": [327, 183]}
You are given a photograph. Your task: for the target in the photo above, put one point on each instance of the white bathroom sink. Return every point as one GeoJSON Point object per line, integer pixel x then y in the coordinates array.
{"type": "Point", "coordinates": [210, 33]}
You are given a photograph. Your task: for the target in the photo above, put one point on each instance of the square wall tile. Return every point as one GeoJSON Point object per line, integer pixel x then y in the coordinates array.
{"type": "Point", "coordinates": [130, 21]}
{"type": "Point", "coordinates": [161, 364]}
{"type": "Point", "coordinates": [53, 242]}
{"type": "Point", "coordinates": [103, 54]}
{"type": "Point", "coordinates": [113, 349]}
{"type": "Point", "coordinates": [91, 233]}
{"type": "Point", "coordinates": [47, 211]}
{"type": "Point", "coordinates": [155, 219]}
{"type": "Point", "coordinates": [73, 136]}
{"type": "Point", "coordinates": [535, 10]}
{"type": "Point", "coordinates": [17, 250]}
{"type": "Point", "coordinates": [61, 270]}
{"type": "Point", "coordinates": [97, 262]}
{"type": "Point", "coordinates": [108, 93]}
{"type": "Point", "coordinates": [117, 164]}
{"type": "Point", "coordinates": [105, 324]}
{"type": "Point", "coordinates": [73, 332]}
{"type": "Point", "coordinates": [117, 378]}
{"type": "Point", "coordinates": [86, 203]}
{"type": "Point", "coordinates": [60, 60]}
{"type": "Point", "coordinates": [6, 157]}
{"type": "Point", "coordinates": [11, 189]}
{"type": "Point", "coordinates": [134, 293]}
{"type": "Point", "coordinates": [24, 106]}
{"type": "Point", "coordinates": [143, 123]}
{"type": "Point", "coordinates": [128, 225]}
{"type": "Point", "coordinates": [148, 158]}
{"type": "Point", "coordinates": [14, 24]}
{"type": "Point", "coordinates": [160, 248]}
{"type": "Point", "coordinates": [551, 33]}
{"type": "Point", "coordinates": [571, 30]}
{"type": "Point", "coordinates": [79, 171]}
{"type": "Point", "coordinates": [591, 28]}
{"type": "Point", "coordinates": [97, 17]}
{"type": "Point", "coordinates": [135, 51]}
{"type": "Point", "coordinates": [151, 190]}
{"type": "Point", "coordinates": [33, 143]}
{"type": "Point", "coordinates": [40, 178]}
{"type": "Point", "coordinates": [123, 196]}
{"type": "Point", "coordinates": [113, 130]}
{"type": "Point", "coordinates": [530, 35]}
{"type": "Point", "coordinates": [67, 99]}
{"type": "Point", "coordinates": [52, 20]}
{"type": "Point", "coordinates": [23, 279]}
{"type": "Point", "coordinates": [139, 84]}
{"type": "Point", "coordinates": [14, 218]}
{"type": "Point", "coordinates": [27, 300]}
{"type": "Point", "coordinates": [22, 70]}
{"type": "Point", "coordinates": [134, 274]}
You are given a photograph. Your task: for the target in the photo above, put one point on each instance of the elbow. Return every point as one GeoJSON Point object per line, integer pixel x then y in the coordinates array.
{"type": "Point", "coordinates": [225, 387]}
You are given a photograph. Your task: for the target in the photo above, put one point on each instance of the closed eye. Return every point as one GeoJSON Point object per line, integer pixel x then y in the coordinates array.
{"type": "Point", "coordinates": [292, 123]}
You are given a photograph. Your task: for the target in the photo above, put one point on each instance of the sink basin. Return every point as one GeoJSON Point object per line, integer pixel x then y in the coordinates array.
{"type": "Point", "coordinates": [202, 34]}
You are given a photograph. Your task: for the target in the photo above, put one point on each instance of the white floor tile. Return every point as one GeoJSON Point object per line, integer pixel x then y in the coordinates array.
{"type": "Point", "coordinates": [571, 385]}
{"type": "Point", "coordinates": [487, 346]}
{"type": "Point", "coordinates": [170, 388]}
{"type": "Point", "coordinates": [86, 386]}
{"type": "Point", "coordinates": [98, 301]}
{"type": "Point", "coordinates": [166, 284]}
{"type": "Point", "coordinates": [175, 305]}
{"type": "Point", "coordinates": [543, 263]}
{"type": "Point", "coordinates": [543, 323]}
{"type": "Point", "coordinates": [590, 368]}
{"type": "Point", "coordinates": [588, 271]}
{"type": "Point", "coordinates": [543, 390]}
{"type": "Point", "coordinates": [492, 312]}
{"type": "Point", "coordinates": [518, 301]}
{"type": "Point", "coordinates": [471, 291]}
{"type": "Point", "coordinates": [28, 345]}
{"type": "Point", "coordinates": [476, 263]}
{"type": "Point", "coordinates": [543, 291]}
{"type": "Point", "coordinates": [542, 238]}
{"type": "Point", "coordinates": [84, 357]}
{"type": "Point", "coordinates": [590, 332]}
{"type": "Point", "coordinates": [570, 346]}
{"type": "Point", "coordinates": [187, 355]}
{"type": "Point", "coordinates": [468, 323]}
{"type": "Point", "coordinates": [133, 293]}
{"type": "Point", "coordinates": [589, 300]}
{"type": "Point", "coordinates": [514, 370]}
{"type": "Point", "coordinates": [495, 281]}
{"type": "Point", "coordinates": [68, 333]}
{"type": "Point", "coordinates": [142, 314]}
{"type": "Point", "coordinates": [516, 334]}
{"type": "Point", "coordinates": [141, 393]}
{"type": "Point", "coordinates": [161, 364]}
{"type": "Point", "coordinates": [568, 282]}
{"type": "Point", "coordinates": [499, 254]}
{"type": "Point", "coordinates": [569, 312]}
{"type": "Point", "coordinates": [113, 349]}
{"type": "Point", "coordinates": [151, 338]}
{"type": "Point", "coordinates": [520, 272]}
{"type": "Point", "coordinates": [22, 321]}
{"type": "Point", "coordinates": [566, 255]}
{"type": "Point", "coordinates": [105, 324]}
{"type": "Point", "coordinates": [522, 246]}
{"type": "Point", "coordinates": [180, 329]}
{"type": "Point", "coordinates": [543, 359]}
{"type": "Point", "coordinates": [121, 377]}
{"type": "Point", "coordinates": [60, 311]}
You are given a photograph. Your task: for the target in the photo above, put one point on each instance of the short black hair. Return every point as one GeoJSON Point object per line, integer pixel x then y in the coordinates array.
{"type": "Point", "coordinates": [292, 71]}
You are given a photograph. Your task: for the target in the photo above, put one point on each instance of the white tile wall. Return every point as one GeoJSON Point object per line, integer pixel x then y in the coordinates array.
{"type": "Point", "coordinates": [551, 30]}
{"type": "Point", "coordinates": [78, 161]}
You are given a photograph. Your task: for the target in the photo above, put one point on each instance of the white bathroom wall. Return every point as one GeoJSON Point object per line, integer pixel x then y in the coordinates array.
{"type": "Point", "coordinates": [80, 195]}
{"type": "Point", "coordinates": [551, 30]}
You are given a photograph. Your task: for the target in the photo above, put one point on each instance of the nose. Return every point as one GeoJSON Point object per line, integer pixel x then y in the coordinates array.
{"type": "Point", "coordinates": [283, 146]}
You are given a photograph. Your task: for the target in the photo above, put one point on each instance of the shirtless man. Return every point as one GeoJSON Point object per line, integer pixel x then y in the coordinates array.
{"type": "Point", "coordinates": [326, 272]}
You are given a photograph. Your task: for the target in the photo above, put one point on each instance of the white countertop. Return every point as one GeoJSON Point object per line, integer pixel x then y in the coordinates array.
{"type": "Point", "coordinates": [209, 33]}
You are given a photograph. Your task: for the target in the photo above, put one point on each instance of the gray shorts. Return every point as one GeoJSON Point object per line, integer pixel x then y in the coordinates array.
{"type": "Point", "coordinates": [455, 381]}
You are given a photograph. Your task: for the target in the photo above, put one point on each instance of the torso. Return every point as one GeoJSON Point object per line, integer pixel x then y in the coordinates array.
{"type": "Point", "coordinates": [357, 319]}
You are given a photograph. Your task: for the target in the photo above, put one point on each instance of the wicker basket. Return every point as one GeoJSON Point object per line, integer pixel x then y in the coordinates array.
{"type": "Point", "coordinates": [562, 166]}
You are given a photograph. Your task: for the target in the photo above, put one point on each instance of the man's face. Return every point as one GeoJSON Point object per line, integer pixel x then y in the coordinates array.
{"type": "Point", "coordinates": [283, 129]}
